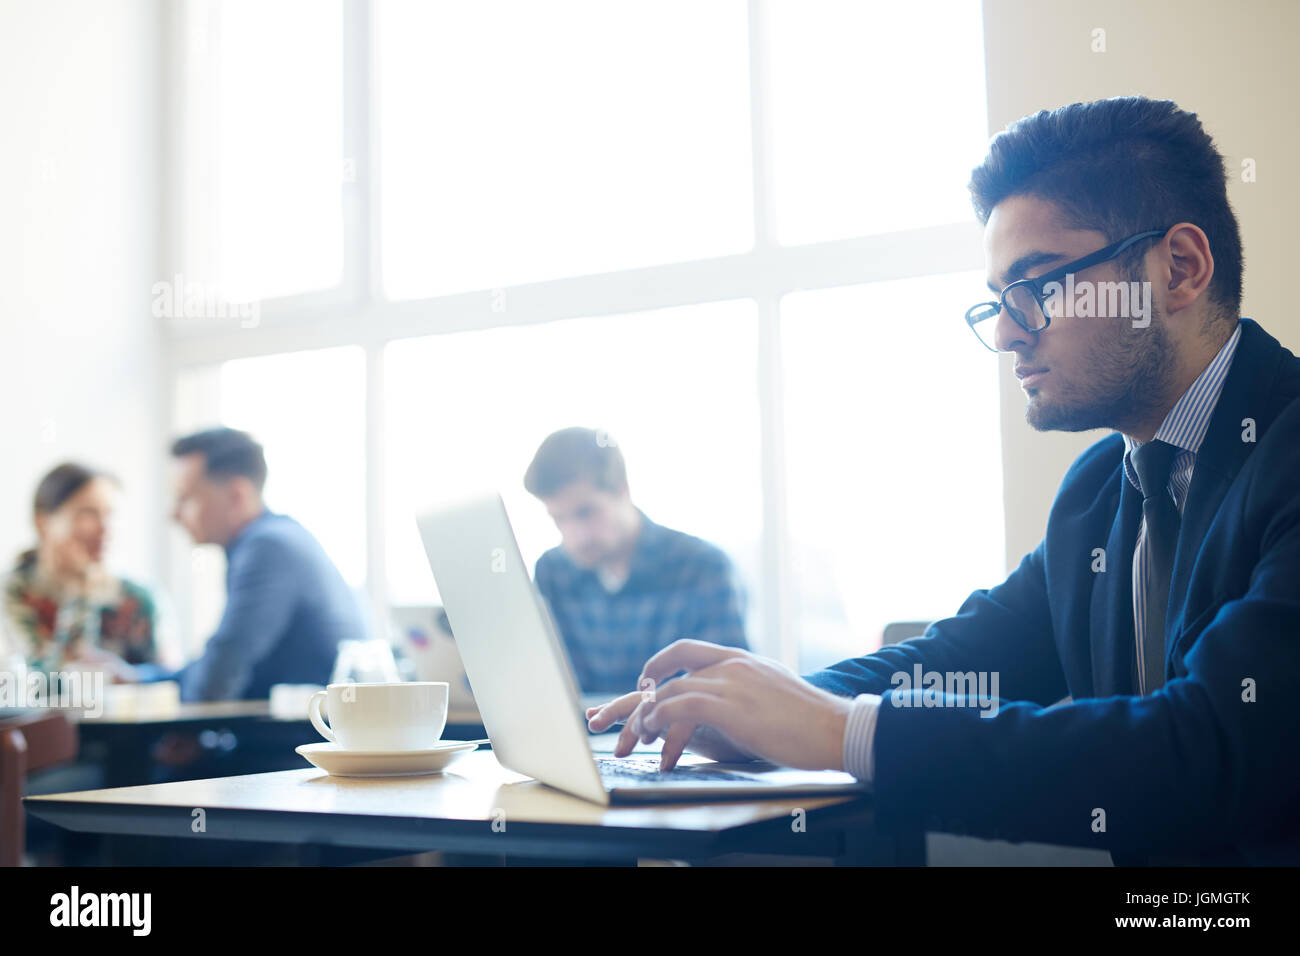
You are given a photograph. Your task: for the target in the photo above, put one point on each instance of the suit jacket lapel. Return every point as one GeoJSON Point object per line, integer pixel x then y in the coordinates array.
{"type": "Point", "coordinates": [1246, 394]}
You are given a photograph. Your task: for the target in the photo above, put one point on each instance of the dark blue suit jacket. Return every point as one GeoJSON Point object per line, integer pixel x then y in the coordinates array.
{"type": "Point", "coordinates": [1204, 770]}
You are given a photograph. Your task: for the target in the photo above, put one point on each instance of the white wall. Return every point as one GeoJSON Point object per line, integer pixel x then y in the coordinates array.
{"type": "Point", "coordinates": [1232, 64]}
{"type": "Point", "coordinates": [79, 351]}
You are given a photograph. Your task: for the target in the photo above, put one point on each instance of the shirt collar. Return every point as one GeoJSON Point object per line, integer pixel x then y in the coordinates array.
{"type": "Point", "coordinates": [644, 554]}
{"type": "Point", "coordinates": [1185, 425]}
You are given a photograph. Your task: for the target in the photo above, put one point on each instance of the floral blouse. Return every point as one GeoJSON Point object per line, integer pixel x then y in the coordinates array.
{"type": "Point", "coordinates": [46, 628]}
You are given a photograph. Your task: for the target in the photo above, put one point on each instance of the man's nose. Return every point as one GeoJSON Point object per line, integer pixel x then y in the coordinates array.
{"type": "Point", "coordinates": [1008, 334]}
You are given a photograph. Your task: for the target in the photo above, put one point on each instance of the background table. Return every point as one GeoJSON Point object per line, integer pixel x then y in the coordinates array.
{"type": "Point", "coordinates": [238, 736]}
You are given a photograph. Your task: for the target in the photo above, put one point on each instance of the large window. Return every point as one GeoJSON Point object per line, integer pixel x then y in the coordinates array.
{"type": "Point", "coordinates": [277, 141]}
{"type": "Point", "coordinates": [872, 132]}
{"type": "Point", "coordinates": [895, 471]}
{"type": "Point", "coordinates": [735, 235]}
{"type": "Point", "coordinates": [526, 141]}
{"type": "Point", "coordinates": [676, 389]}
{"type": "Point", "coordinates": [308, 411]}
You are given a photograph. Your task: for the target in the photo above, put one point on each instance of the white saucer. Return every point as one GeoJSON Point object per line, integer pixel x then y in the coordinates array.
{"type": "Point", "coordinates": [338, 762]}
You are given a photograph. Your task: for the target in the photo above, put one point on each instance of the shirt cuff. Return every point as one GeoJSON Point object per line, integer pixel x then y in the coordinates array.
{"type": "Point", "coordinates": [859, 737]}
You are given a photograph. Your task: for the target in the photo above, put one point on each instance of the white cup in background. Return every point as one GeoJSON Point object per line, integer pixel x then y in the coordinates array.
{"type": "Point", "coordinates": [289, 701]}
{"type": "Point", "coordinates": [408, 715]}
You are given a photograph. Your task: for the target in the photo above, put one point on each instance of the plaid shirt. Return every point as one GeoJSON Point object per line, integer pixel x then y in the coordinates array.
{"type": "Point", "coordinates": [677, 586]}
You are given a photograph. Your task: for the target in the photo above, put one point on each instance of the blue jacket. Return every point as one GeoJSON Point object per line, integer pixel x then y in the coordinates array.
{"type": "Point", "coordinates": [1205, 769]}
{"type": "Point", "coordinates": [287, 608]}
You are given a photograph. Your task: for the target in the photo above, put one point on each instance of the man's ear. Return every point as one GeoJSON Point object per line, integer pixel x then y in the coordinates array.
{"type": "Point", "coordinates": [246, 493]}
{"type": "Point", "coordinates": [42, 524]}
{"type": "Point", "coordinates": [1191, 266]}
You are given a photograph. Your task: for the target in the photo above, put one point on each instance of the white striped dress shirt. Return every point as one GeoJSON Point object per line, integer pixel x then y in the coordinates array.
{"type": "Point", "coordinates": [1184, 427]}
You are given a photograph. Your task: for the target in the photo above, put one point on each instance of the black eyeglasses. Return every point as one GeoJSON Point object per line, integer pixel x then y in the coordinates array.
{"type": "Point", "coordinates": [1024, 298]}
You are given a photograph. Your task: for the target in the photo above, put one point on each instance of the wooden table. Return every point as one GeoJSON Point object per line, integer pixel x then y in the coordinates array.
{"type": "Point", "coordinates": [475, 807]}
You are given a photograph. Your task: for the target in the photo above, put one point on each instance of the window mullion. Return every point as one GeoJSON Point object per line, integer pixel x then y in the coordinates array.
{"type": "Point", "coordinates": [778, 636]}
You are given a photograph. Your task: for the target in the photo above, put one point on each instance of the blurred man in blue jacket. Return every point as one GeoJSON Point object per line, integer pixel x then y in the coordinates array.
{"type": "Point", "coordinates": [287, 606]}
{"type": "Point", "coordinates": [1146, 653]}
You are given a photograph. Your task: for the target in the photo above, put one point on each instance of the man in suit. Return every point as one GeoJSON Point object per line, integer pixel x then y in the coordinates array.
{"type": "Point", "coordinates": [1145, 651]}
{"type": "Point", "coordinates": [287, 606]}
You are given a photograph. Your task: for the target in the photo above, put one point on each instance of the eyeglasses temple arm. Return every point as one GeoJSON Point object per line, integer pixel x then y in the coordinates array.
{"type": "Point", "coordinates": [1088, 261]}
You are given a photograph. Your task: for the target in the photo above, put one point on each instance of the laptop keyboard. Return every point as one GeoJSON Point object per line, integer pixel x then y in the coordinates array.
{"type": "Point", "coordinates": [616, 770]}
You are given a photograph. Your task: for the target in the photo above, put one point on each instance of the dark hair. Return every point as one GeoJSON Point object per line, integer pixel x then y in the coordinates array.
{"type": "Point", "coordinates": [574, 454]}
{"type": "Point", "coordinates": [53, 491]}
{"type": "Point", "coordinates": [227, 453]}
{"type": "Point", "coordinates": [1120, 166]}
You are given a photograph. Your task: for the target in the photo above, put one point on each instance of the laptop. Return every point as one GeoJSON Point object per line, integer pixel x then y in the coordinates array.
{"type": "Point", "coordinates": [525, 689]}
{"type": "Point", "coordinates": [426, 638]}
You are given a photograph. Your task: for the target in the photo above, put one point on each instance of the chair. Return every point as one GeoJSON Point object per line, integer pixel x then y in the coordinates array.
{"type": "Point", "coordinates": [29, 741]}
{"type": "Point", "coordinates": [901, 631]}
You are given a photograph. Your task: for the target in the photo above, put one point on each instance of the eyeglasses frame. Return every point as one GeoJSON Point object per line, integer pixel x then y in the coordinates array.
{"type": "Point", "coordinates": [1038, 283]}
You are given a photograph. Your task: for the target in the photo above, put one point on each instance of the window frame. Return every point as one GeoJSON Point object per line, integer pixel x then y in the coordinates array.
{"type": "Point", "coordinates": [356, 313]}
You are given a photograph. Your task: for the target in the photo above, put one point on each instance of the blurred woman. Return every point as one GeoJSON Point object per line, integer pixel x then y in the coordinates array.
{"type": "Point", "coordinates": [61, 607]}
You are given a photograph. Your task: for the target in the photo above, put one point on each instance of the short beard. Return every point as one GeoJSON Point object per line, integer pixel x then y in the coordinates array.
{"type": "Point", "coordinates": [1125, 380]}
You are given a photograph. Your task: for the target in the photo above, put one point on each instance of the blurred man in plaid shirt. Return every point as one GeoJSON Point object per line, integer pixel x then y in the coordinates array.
{"type": "Point", "coordinates": [621, 587]}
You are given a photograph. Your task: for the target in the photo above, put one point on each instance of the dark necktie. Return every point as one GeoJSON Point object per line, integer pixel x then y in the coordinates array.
{"type": "Point", "coordinates": [1153, 461]}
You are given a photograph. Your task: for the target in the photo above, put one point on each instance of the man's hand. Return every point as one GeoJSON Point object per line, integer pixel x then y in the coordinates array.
{"type": "Point", "coordinates": [730, 705]}
{"type": "Point", "coordinates": [705, 741]}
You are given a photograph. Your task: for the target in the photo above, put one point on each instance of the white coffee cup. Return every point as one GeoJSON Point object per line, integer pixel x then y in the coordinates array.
{"type": "Point", "coordinates": [408, 715]}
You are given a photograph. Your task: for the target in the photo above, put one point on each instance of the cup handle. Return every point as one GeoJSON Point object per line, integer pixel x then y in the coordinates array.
{"type": "Point", "coordinates": [318, 719]}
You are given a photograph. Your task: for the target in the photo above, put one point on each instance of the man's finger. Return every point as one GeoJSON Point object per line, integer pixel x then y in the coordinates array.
{"type": "Point", "coordinates": [699, 682]}
{"type": "Point", "coordinates": [616, 710]}
{"type": "Point", "coordinates": [675, 742]}
{"type": "Point", "coordinates": [694, 684]}
{"type": "Point", "coordinates": [685, 655]}
{"type": "Point", "coordinates": [696, 708]}
{"type": "Point", "coordinates": [627, 737]}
